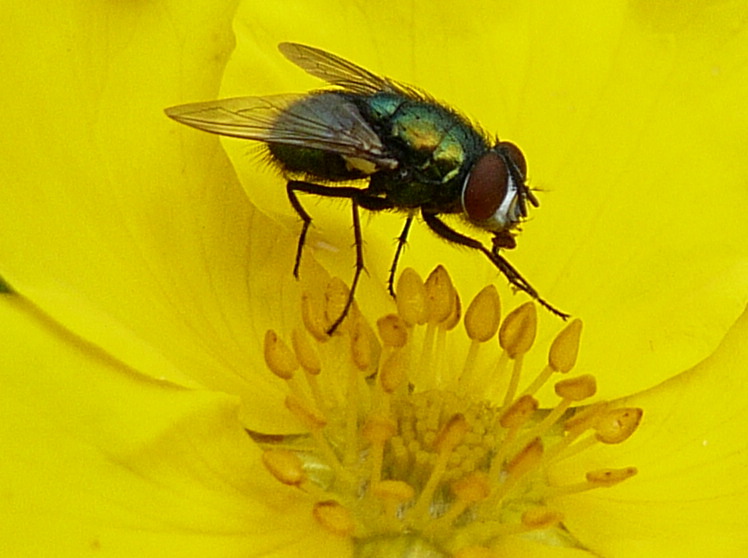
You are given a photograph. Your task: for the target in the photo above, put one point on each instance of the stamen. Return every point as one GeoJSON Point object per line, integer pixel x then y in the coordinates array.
{"type": "Point", "coordinates": [517, 333]}
{"type": "Point", "coordinates": [483, 315]}
{"type": "Point", "coordinates": [516, 336]}
{"type": "Point", "coordinates": [562, 356]}
{"type": "Point", "coordinates": [393, 495]}
{"type": "Point", "coordinates": [278, 357]}
{"type": "Point", "coordinates": [565, 347]}
{"type": "Point", "coordinates": [481, 324]}
{"type": "Point", "coordinates": [513, 419]}
{"type": "Point", "coordinates": [305, 353]}
{"type": "Point", "coordinates": [570, 391]}
{"type": "Point", "coordinates": [315, 422]}
{"type": "Point", "coordinates": [313, 309]}
{"type": "Point", "coordinates": [285, 466]}
{"type": "Point", "coordinates": [440, 300]}
{"type": "Point", "coordinates": [336, 298]}
{"type": "Point", "coordinates": [439, 295]}
{"type": "Point", "coordinates": [393, 330]}
{"type": "Point", "coordinates": [334, 518]}
{"type": "Point", "coordinates": [446, 440]}
{"type": "Point", "coordinates": [475, 552]}
{"type": "Point", "coordinates": [601, 478]}
{"type": "Point", "coordinates": [309, 360]}
{"type": "Point", "coordinates": [618, 425]}
{"type": "Point", "coordinates": [377, 431]}
{"type": "Point", "coordinates": [525, 461]}
{"type": "Point", "coordinates": [394, 372]}
{"type": "Point", "coordinates": [411, 298]}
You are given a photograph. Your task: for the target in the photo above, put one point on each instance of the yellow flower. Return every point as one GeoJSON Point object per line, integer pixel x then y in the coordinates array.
{"type": "Point", "coordinates": [133, 352]}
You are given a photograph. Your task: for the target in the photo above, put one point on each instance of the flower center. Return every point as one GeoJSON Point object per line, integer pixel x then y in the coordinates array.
{"type": "Point", "coordinates": [407, 450]}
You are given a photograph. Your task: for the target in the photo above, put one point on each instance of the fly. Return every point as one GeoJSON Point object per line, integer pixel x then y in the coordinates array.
{"type": "Point", "coordinates": [410, 153]}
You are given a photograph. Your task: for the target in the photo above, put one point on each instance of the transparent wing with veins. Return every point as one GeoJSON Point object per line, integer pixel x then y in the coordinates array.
{"type": "Point", "coordinates": [342, 73]}
{"type": "Point", "coordinates": [324, 120]}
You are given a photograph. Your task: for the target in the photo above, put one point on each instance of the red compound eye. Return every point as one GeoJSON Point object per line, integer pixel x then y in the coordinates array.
{"type": "Point", "coordinates": [486, 187]}
{"type": "Point", "coordinates": [515, 154]}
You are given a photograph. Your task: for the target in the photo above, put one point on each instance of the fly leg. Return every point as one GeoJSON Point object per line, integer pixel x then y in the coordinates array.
{"type": "Point", "coordinates": [401, 240]}
{"type": "Point", "coordinates": [512, 275]}
{"type": "Point", "coordinates": [358, 198]}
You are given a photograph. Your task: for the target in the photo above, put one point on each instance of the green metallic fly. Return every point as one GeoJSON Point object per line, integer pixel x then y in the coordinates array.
{"type": "Point", "coordinates": [418, 156]}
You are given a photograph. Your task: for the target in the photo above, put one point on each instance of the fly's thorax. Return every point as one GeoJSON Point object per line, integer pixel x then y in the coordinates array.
{"type": "Point", "coordinates": [494, 193]}
{"type": "Point", "coordinates": [433, 146]}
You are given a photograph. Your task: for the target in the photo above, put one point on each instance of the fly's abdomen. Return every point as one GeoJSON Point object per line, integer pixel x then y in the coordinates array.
{"type": "Point", "coordinates": [325, 136]}
{"type": "Point", "coordinates": [315, 163]}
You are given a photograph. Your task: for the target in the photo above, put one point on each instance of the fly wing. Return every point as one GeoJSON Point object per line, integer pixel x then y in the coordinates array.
{"type": "Point", "coordinates": [340, 72]}
{"type": "Point", "coordinates": [325, 121]}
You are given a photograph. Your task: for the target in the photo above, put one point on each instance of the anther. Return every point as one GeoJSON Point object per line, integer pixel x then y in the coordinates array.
{"type": "Point", "coordinates": [513, 418]}
{"type": "Point", "coordinates": [570, 391]}
{"type": "Point", "coordinates": [451, 433]}
{"type": "Point", "coordinates": [517, 333]}
{"type": "Point", "coordinates": [334, 517]}
{"type": "Point", "coordinates": [309, 417]}
{"type": "Point", "coordinates": [439, 295]}
{"type": "Point", "coordinates": [392, 494]}
{"type": "Point", "coordinates": [397, 491]}
{"type": "Point", "coordinates": [378, 429]}
{"type": "Point", "coordinates": [278, 357]}
{"type": "Point", "coordinates": [519, 412]}
{"type": "Point", "coordinates": [305, 353]}
{"type": "Point", "coordinates": [336, 297]}
{"type": "Point", "coordinates": [313, 315]}
{"type": "Point", "coordinates": [361, 344]}
{"type": "Point", "coordinates": [468, 490]}
{"type": "Point", "coordinates": [617, 425]}
{"type": "Point", "coordinates": [601, 478]}
{"type": "Point", "coordinates": [541, 518]}
{"type": "Point", "coordinates": [609, 477]}
{"type": "Point", "coordinates": [411, 298]}
{"type": "Point", "coordinates": [516, 336]}
{"type": "Point", "coordinates": [285, 466]}
{"type": "Point", "coordinates": [483, 315]}
{"type": "Point", "coordinates": [394, 371]}
{"type": "Point", "coordinates": [576, 389]}
{"type": "Point", "coordinates": [527, 459]}
{"type": "Point", "coordinates": [475, 552]}
{"type": "Point", "coordinates": [393, 330]}
{"type": "Point", "coordinates": [454, 316]}
{"type": "Point", "coordinates": [565, 347]}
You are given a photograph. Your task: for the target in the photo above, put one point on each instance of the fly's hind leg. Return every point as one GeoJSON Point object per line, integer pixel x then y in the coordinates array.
{"type": "Point", "coordinates": [291, 188]}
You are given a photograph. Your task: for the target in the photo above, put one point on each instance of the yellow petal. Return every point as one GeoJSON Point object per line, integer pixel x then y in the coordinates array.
{"type": "Point", "coordinates": [690, 495]}
{"type": "Point", "coordinates": [97, 459]}
{"type": "Point", "coordinates": [125, 227]}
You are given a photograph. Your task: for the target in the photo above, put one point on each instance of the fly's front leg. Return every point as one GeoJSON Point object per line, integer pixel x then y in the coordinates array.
{"type": "Point", "coordinates": [512, 275]}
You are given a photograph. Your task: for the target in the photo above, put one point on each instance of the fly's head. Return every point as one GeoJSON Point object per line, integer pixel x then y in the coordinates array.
{"type": "Point", "coordinates": [495, 194]}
